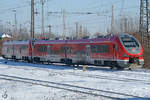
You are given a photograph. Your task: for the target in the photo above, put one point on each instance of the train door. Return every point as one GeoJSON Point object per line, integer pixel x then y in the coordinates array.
{"type": "Point", "coordinates": [13, 51]}
{"type": "Point", "coordinates": [115, 50]}
{"type": "Point", "coordinates": [67, 51]}
{"type": "Point", "coordinates": [48, 52]}
{"type": "Point", "coordinates": [88, 52]}
{"type": "Point", "coordinates": [20, 53]}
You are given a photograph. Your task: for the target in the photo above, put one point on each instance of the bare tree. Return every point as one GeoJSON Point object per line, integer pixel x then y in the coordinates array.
{"type": "Point", "coordinates": [127, 24]}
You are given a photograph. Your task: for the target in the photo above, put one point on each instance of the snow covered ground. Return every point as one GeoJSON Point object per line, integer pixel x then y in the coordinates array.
{"type": "Point", "coordinates": [136, 83]}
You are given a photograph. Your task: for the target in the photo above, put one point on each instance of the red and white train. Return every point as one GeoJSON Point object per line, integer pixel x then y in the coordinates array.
{"type": "Point", "coordinates": [120, 50]}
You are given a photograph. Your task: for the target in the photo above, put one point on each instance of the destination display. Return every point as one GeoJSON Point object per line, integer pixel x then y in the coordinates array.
{"type": "Point", "coordinates": [129, 42]}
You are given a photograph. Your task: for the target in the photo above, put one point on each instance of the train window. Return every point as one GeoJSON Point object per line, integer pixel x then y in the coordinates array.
{"type": "Point", "coordinates": [66, 49]}
{"type": "Point", "coordinates": [7, 49]}
{"type": "Point", "coordinates": [42, 48]}
{"type": "Point", "coordinates": [24, 47]}
{"type": "Point", "coordinates": [13, 48]}
{"type": "Point", "coordinates": [62, 49]}
{"type": "Point", "coordinates": [20, 49]}
{"type": "Point", "coordinates": [100, 48]}
{"type": "Point", "coordinates": [94, 48]}
{"type": "Point", "coordinates": [55, 52]}
{"type": "Point", "coordinates": [79, 52]}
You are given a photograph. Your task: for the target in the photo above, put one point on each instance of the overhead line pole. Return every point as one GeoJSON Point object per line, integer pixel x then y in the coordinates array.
{"type": "Point", "coordinates": [148, 16]}
{"type": "Point", "coordinates": [144, 27]}
{"type": "Point", "coordinates": [43, 30]}
{"type": "Point", "coordinates": [77, 30]}
{"type": "Point", "coordinates": [112, 20]}
{"type": "Point", "coordinates": [32, 20]}
{"type": "Point", "coordinates": [50, 28]}
{"type": "Point", "coordinates": [64, 23]}
{"type": "Point", "coordinates": [15, 24]}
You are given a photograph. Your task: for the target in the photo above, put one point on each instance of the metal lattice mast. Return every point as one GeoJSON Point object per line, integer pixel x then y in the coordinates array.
{"type": "Point", "coordinates": [77, 30]}
{"type": "Point", "coordinates": [112, 21]}
{"type": "Point", "coordinates": [43, 30]}
{"type": "Point", "coordinates": [144, 27]}
{"type": "Point", "coordinates": [64, 23]}
{"type": "Point", "coordinates": [32, 19]}
{"type": "Point", "coordinates": [15, 24]}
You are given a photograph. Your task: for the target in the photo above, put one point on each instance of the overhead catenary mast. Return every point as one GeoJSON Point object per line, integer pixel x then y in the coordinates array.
{"type": "Point", "coordinates": [144, 27]}
{"type": "Point", "coordinates": [42, 29]}
{"type": "Point", "coordinates": [112, 21]}
{"type": "Point", "coordinates": [64, 23]}
{"type": "Point", "coordinates": [32, 20]}
{"type": "Point", "coordinates": [50, 28]}
{"type": "Point", "coordinates": [15, 24]}
{"type": "Point", "coordinates": [77, 30]}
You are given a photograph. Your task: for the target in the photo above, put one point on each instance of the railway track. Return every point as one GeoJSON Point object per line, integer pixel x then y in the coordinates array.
{"type": "Point", "coordinates": [82, 75]}
{"type": "Point", "coordinates": [107, 77]}
{"type": "Point", "coordinates": [72, 88]}
{"type": "Point", "coordinates": [101, 77]}
{"type": "Point", "coordinates": [98, 76]}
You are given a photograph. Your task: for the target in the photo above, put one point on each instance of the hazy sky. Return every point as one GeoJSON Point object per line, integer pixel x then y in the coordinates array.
{"type": "Point", "coordinates": [94, 23]}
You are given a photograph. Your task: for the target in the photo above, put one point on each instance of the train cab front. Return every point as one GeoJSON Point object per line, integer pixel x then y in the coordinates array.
{"type": "Point", "coordinates": [132, 51]}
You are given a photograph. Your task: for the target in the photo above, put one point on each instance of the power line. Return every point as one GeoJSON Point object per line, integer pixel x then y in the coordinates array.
{"type": "Point", "coordinates": [106, 4]}
{"type": "Point", "coordinates": [90, 13]}
{"type": "Point", "coordinates": [12, 8]}
{"type": "Point", "coordinates": [18, 7]}
{"type": "Point", "coordinates": [122, 6]}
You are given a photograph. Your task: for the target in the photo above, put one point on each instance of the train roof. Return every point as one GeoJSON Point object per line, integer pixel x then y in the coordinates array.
{"type": "Point", "coordinates": [104, 39]}
{"type": "Point", "coordinates": [16, 42]}
{"type": "Point", "coordinates": [107, 38]}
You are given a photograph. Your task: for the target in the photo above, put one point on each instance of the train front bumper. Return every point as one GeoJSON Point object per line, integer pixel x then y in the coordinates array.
{"type": "Point", "coordinates": [141, 62]}
{"type": "Point", "coordinates": [126, 63]}
{"type": "Point", "coordinates": [123, 63]}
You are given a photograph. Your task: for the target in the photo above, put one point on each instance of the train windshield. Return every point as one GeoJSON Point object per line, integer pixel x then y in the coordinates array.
{"type": "Point", "coordinates": [129, 42]}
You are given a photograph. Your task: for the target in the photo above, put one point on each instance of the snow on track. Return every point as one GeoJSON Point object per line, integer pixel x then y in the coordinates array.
{"type": "Point", "coordinates": [133, 83]}
{"type": "Point", "coordinates": [78, 89]}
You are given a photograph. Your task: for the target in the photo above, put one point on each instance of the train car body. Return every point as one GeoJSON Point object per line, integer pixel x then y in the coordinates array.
{"type": "Point", "coordinates": [18, 50]}
{"type": "Point", "coordinates": [120, 50]}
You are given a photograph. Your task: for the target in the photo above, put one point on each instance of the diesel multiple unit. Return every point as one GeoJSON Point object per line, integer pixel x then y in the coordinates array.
{"type": "Point", "coordinates": [120, 51]}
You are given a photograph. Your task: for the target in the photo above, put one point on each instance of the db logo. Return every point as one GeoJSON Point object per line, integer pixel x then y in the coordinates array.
{"type": "Point", "coordinates": [133, 50]}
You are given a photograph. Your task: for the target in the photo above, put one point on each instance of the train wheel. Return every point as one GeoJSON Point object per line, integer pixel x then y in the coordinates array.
{"type": "Point", "coordinates": [130, 69]}
{"type": "Point", "coordinates": [30, 61]}
{"type": "Point", "coordinates": [112, 67]}
{"type": "Point", "coordinates": [119, 67]}
{"type": "Point", "coordinates": [132, 66]}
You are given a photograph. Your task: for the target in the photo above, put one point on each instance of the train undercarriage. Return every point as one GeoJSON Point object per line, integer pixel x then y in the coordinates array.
{"type": "Point", "coordinates": [132, 63]}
